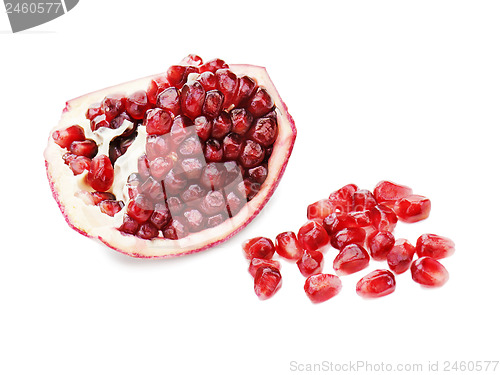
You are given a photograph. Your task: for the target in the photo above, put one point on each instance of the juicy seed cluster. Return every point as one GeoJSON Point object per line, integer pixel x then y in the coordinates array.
{"type": "Point", "coordinates": [360, 225]}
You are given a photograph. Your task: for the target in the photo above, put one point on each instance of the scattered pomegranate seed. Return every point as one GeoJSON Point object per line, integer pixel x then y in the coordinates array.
{"type": "Point", "coordinates": [310, 263]}
{"type": "Point", "coordinates": [351, 259]}
{"type": "Point", "coordinates": [376, 284]}
{"type": "Point", "coordinates": [338, 221]}
{"type": "Point", "coordinates": [401, 255]}
{"type": "Point", "coordinates": [387, 192]}
{"type": "Point", "coordinates": [343, 198]}
{"type": "Point", "coordinates": [79, 164]}
{"type": "Point", "coordinates": [256, 263]}
{"type": "Point", "coordinates": [65, 137]}
{"type": "Point", "coordinates": [383, 218]}
{"type": "Point", "coordinates": [412, 208]}
{"type": "Point", "coordinates": [363, 200]}
{"type": "Point", "coordinates": [320, 209]}
{"type": "Point", "coordinates": [312, 236]}
{"type": "Point", "coordinates": [101, 173]}
{"type": "Point", "coordinates": [348, 236]}
{"type": "Point", "coordinates": [267, 282]}
{"type": "Point", "coordinates": [258, 247]}
{"type": "Point", "coordinates": [321, 287]}
{"type": "Point", "coordinates": [429, 272]}
{"type": "Point", "coordinates": [434, 246]}
{"type": "Point", "coordinates": [380, 244]}
{"type": "Point", "coordinates": [111, 207]}
{"type": "Point", "coordinates": [288, 246]}
{"type": "Point", "coordinates": [87, 148]}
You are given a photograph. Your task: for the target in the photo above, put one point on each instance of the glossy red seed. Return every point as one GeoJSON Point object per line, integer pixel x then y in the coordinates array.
{"type": "Point", "coordinates": [232, 146]}
{"type": "Point", "coordinates": [212, 203]}
{"type": "Point", "coordinates": [312, 236]}
{"type": "Point", "coordinates": [348, 236]}
{"type": "Point", "coordinates": [174, 182]}
{"type": "Point", "coordinates": [158, 121]}
{"type": "Point", "coordinates": [213, 151]}
{"type": "Point", "coordinates": [101, 173]}
{"type": "Point", "coordinates": [434, 246]}
{"type": "Point", "coordinates": [152, 189]}
{"type": "Point", "coordinates": [213, 176]}
{"type": "Point", "coordinates": [320, 209]}
{"type": "Point", "coordinates": [400, 256]}
{"type": "Point", "coordinates": [112, 106]}
{"type": "Point", "coordinates": [264, 131]}
{"type": "Point", "coordinates": [258, 174]}
{"type": "Point", "coordinates": [376, 284]}
{"type": "Point", "coordinates": [157, 146]}
{"type": "Point", "coordinates": [140, 209]}
{"type": "Point", "coordinates": [111, 207]}
{"type": "Point", "coordinates": [208, 81]}
{"type": "Point", "coordinates": [129, 226]}
{"type": "Point", "coordinates": [98, 196]}
{"type": "Point", "coordinates": [227, 83]}
{"type": "Point", "coordinates": [222, 126]}
{"type": "Point", "coordinates": [363, 200]}
{"type": "Point", "coordinates": [383, 218]}
{"type": "Point", "coordinates": [136, 104]}
{"type": "Point", "coordinates": [175, 230]}
{"type": "Point", "coordinates": [260, 103]}
{"type": "Point", "coordinates": [256, 263]}
{"type": "Point", "coordinates": [351, 259]}
{"type": "Point", "coordinates": [143, 166]}
{"type": "Point", "coordinates": [288, 246]}
{"type": "Point", "coordinates": [241, 120]}
{"type": "Point", "coordinates": [361, 218]}
{"type": "Point", "coordinates": [412, 208]}
{"type": "Point", "coordinates": [342, 198]}
{"type": "Point", "coordinates": [429, 272]}
{"type": "Point", "coordinates": [321, 287]}
{"type": "Point", "coordinates": [99, 121]}
{"type": "Point", "coordinates": [213, 66]}
{"type": "Point", "coordinates": [310, 263]}
{"type": "Point", "coordinates": [86, 148]}
{"type": "Point", "coordinates": [379, 244]}
{"type": "Point", "coordinates": [338, 221]}
{"type": "Point", "coordinates": [93, 111]}
{"type": "Point", "coordinates": [267, 282]}
{"type": "Point", "coordinates": [161, 216]}
{"type": "Point", "coordinates": [159, 167]}
{"type": "Point", "coordinates": [192, 99]}
{"type": "Point", "coordinates": [156, 86]}
{"type": "Point", "coordinates": [192, 59]}
{"type": "Point", "coordinates": [178, 74]}
{"type": "Point", "coordinates": [252, 154]}
{"type": "Point", "coordinates": [64, 137]}
{"type": "Point", "coordinates": [258, 247]}
{"type": "Point", "coordinates": [387, 192]}
{"type": "Point", "coordinates": [194, 219]}
{"type": "Point", "coordinates": [180, 130]}
{"type": "Point", "coordinates": [169, 100]}
{"type": "Point", "coordinates": [147, 231]}
{"type": "Point", "coordinates": [68, 157]}
{"type": "Point", "coordinates": [79, 164]}
{"type": "Point", "coordinates": [203, 127]}
{"type": "Point", "coordinates": [212, 106]}
{"type": "Point", "coordinates": [246, 88]}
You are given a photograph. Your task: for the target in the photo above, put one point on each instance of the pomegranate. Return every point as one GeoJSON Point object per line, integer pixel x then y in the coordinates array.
{"type": "Point", "coordinates": [190, 157]}
{"type": "Point", "coordinates": [321, 287]}
{"type": "Point", "coordinates": [412, 208]}
{"type": "Point", "coordinates": [267, 282]}
{"type": "Point", "coordinates": [376, 284]}
{"type": "Point", "coordinates": [429, 272]}
{"type": "Point", "coordinates": [434, 246]}
{"type": "Point", "coordinates": [400, 256]}
{"type": "Point", "coordinates": [351, 259]}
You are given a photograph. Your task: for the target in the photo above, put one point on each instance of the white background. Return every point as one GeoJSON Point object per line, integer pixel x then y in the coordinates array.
{"type": "Point", "coordinates": [398, 90]}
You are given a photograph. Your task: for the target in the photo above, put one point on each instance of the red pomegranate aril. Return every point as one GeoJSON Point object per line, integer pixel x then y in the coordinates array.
{"type": "Point", "coordinates": [256, 263]}
{"type": "Point", "coordinates": [174, 182]}
{"type": "Point", "coordinates": [222, 126]}
{"type": "Point", "coordinates": [208, 81]}
{"type": "Point", "coordinates": [175, 230]}
{"type": "Point", "coordinates": [147, 231]}
{"type": "Point", "coordinates": [169, 100]}
{"type": "Point", "coordinates": [192, 99]}
{"type": "Point", "coordinates": [190, 147]}
{"type": "Point", "coordinates": [86, 148]}
{"type": "Point", "coordinates": [101, 173]}
{"type": "Point", "coordinates": [321, 287]}
{"type": "Point", "coordinates": [310, 263]}
{"type": "Point", "coordinates": [152, 189]}
{"type": "Point", "coordinates": [203, 127]}
{"type": "Point", "coordinates": [233, 170]}
{"type": "Point", "coordinates": [312, 236]}
{"type": "Point", "coordinates": [194, 219]}
{"type": "Point", "coordinates": [342, 199]}
{"type": "Point", "coordinates": [119, 120]}
{"type": "Point", "coordinates": [320, 209]}
{"type": "Point", "coordinates": [192, 59]}
{"type": "Point", "coordinates": [175, 205]}
{"type": "Point", "coordinates": [258, 174]}
{"type": "Point", "coordinates": [192, 193]}
{"type": "Point", "coordinates": [111, 207]}
{"type": "Point", "coordinates": [158, 121]}
{"type": "Point", "coordinates": [234, 203]}
{"type": "Point", "coordinates": [143, 167]}
{"type": "Point", "coordinates": [68, 157]}
{"type": "Point", "coordinates": [429, 272]}
{"type": "Point", "coordinates": [156, 86]}
{"type": "Point", "coordinates": [363, 200]}
{"type": "Point", "coordinates": [215, 220]}
{"type": "Point", "coordinates": [213, 151]}
{"type": "Point", "coordinates": [380, 244]}
{"type": "Point", "coordinates": [387, 192]}
{"type": "Point", "coordinates": [246, 88]}
{"type": "Point", "coordinates": [177, 74]}
{"type": "Point", "coordinates": [161, 216]}
{"type": "Point", "coordinates": [338, 221]}
{"type": "Point", "coordinates": [241, 120]}
{"type": "Point", "coordinates": [93, 111]}
{"type": "Point", "coordinates": [98, 122]}
{"type": "Point", "coordinates": [376, 284]}
{"type": "Point", "coordinates": [179, 130]}
{"type": "Point", "coordinates": [412, 208]}
{"type": "Point", "coordinates": [140, 209]}
{"type": "Point", "coordinates": [348, 236]}
{"type": "Point", "coordinates": [227, 83]}
{"type": "Point", "coordinates": [264, 131]}
{"type": "Point", "coordinates": [112, 106]}
{"type": "Point", "coordinates": [362, 218]}
{"type": "Point", "coordinates": [79, 164]}
{"type": "Point", "coordinates": [232, 146]}
{"type": "Point", "coordinates": [401, 255]}
{"type": "Point", "coordinates": [384, 218]}
{"type": "Point", "coordinates": [213, 66]}
{"type": "Point", "coordinates": [159, 167]}
{"type": "Point", "coordinates": [213, 176]}
{"type": "Point", "coordinates": [267, 282]}
{"type": "Point", "coordinates": [129, 225]}
{"type": "Point", "coordinates": [260, 103]}
{"type": "Point", "coordinates": [434, 246]}
{"type": "Point", "coordinates": [212, 106]}
{"type": "Point", "coordinates": [136, 104]}
{"type": "Point", "coordinates": [192, 168]}
{"type": "Point", "coordinates": [252, 154]}
{"type": "Point", "coordinates": [351, 259]}
{"type": "Point", "coordinates": [65, 137]}
{"type": "Point", "coordinates": [258, 247]}
{"type": "Point", "coordinates": [98, 197]}
{"type": "Point", "coordinates": [213, 203]}
{"type": "Point", "coordinates": [288, 246]}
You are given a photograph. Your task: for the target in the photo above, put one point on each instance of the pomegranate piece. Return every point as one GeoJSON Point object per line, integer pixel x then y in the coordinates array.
{"type": "Point", "coordinates": [79, 164]}
{"type": "Point", "coordinates": [383, 218]}
{"type": "Point", "coordinates": [260, 103]}
{"type": "Point", "coordinates": [65, 137]}
{"type": "Point", "coordinates": [351, 259]}
{"type": "Point", "coordinates": [312, 236]}
{"type": "Point", "coordinates": [256, 263]}
{"type": "Point", "coordinates": [363, 200]}
{"type": "Point", "coordinates": [169, 100]}
{"type": "Point", "coordinates": [342, 199]}
{"type": "Point", "coordinates": [401, 255]}
{"type": "Point", "coordinates": [310, 263]}
{"type": "Point", "coordinates": [158, 121]}
{"type": "Point", "coordinates": [222, 126]}
{"type": "Point", "coordinates": [213, 66]}
{"type": "Point", "coordinates": [241, 120]}
{"type": "Point", "coordinates": [140, 208]}
{"type": "Point", "coordinates": [258, 247]}
{"type": "Point", "coordinates": [380, 244]}
{"type": "Point", "coordinates": [147, 231]}
{"type": "Point", "coordinates": [87, 148]}
{"type": "Point", "coordinates": [212, 106]}
{"type": "Point", "coordinates": [111, 207]}
{"type": "Point", "coordinates": [101, 173]}
{"type": "Point", "coordinates": [208, 81]}
{"type": "Point", "coordinates": [376, 284]}
{"type": "Point", "coordinates": [267, 282]}
{"type": "Point", "coordinates": [387, 192]}
{"type": "Point", "coordinates": [136, 104]}
{"type": "Point", "coordinates": [246, 89]}
{"type": "Point", "coordinates": [434, 246]}
{"type": "Point", "coordinates": [227, 83]}
{"type": "Point", "coordinates": [192, 99]}
{"type": "Point", "coordinates": [252, 154]}
{"type": "Point", "coordinates": [412, 208]}
{"type": "Point", "coordinates": [156, 86]}
{"type": "Point", "coordinates": [338, 221]}
{"type": "Point", "coordinates": [321, 287]}
{"type": "Point", "coordinates": [348, 236]}
{"type": "Point", "coordinates": [429, 272]}
{"type": "Point", "coordinates": [320, 209]}
{"type": "Point", "coordinates": [203, 127]}
{"type": "Point", "coordinates": [288, 246]}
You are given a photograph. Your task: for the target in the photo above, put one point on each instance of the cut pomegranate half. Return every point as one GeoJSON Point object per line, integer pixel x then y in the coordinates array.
{"type": "Point", "coordinates": [191, 157]}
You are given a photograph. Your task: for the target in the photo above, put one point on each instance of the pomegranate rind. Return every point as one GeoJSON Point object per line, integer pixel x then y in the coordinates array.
{"type": "Point", "coordinates": [89, 221]}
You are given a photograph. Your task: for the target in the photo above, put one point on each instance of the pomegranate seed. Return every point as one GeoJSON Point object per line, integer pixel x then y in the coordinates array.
{"type": "Point", "coordinates": [156, 86]}
{"type": "Point", "coordinates": [161, 216]}
{"type": "Point", "coordinates": [401, 255]}
{"type": "Point", "coordinates": [288, 246]}
{"type": "Point", "coordinates": [348, 236]}
{"type": "Point", "coordinates": [227, 83]}
{"type": "Point", "coordinates": [212, 106]}
{"type": "Point", "coordinates": [380, 244]}
{"type": "Point", "coordinates": [112, 106]}
{"type": "Point", "coordinates": [192, 59]}
{"type": "Point", "coordinates": [98, 196]}
{"type": "Point", "coordinates": [213, 151]}
{"type": "Point", "coordinates": [190, 147]}
{"type": "Point", "coordinates": [174, 182]}
{"type": "Point", "coordinates": [175, 205]}
{"type": "Point", "coordinates": [169, 100]}
{"type": "Point", "coordinates": [267, 282]}
{"type": "Point", "coordinates": [261, 103]}
{"type": "Point", "coordinates": [241, 120]}
{"type": "Point", "coordinates": [310, 263]}
{"type": "Point", "coordinates": [157, 146]}
{"type": "Point", "coordinates": [363, 200]}
{"type": "Point", "coordinates": [136, 104]}
{"type": "Point", "coordinates": [65, 137]}
{"type": "Point", "coordinates": [192, 99]}
{"type": "Point", "coordinates": [258, 174]}
{"type": "Point", "coordinates": [213, 203]}
{"type": "Point", "coordinates": [264, 131]}
{"type": "Point", "coordinates": [93, 111]}
{"type": "Point", "coordinates": [320, 209]}
{"type": "Point", "coordinates": [252, 154]}
{"type": "Point", "coordinates": [140, 209]}
{"type": "Point", "coordinates": [208, 81]}
{"type": "Point", "coordinates": [312, 236]}
{"type": "Point", "coordinates": [178, 131]}
{"type": "Point", "coordinates": [351, 259]}
{"type": "Point", "coordinates": [387, 192]}
{"type": "Point", "coordinates": [178, 74]}
{"type": "Point", "coordinates": [147, 231]}
{"type": "Point", "coordinates": [258, 247]}
{"type": "Point", "coordinates": [129, 226]}
{"type": "Point", "coordinates": [342, 199]}
{"type": "Point", "coordinates": [233, 171]}
{"type": "Point", "coordinates": [232, 146]}
{"type": "Point", "coordinates": [321, 287]}
{"type": "Point", "coordinates": [192, 168]}
{"type": "Point", "coordinates": [151, 188]}
{"type": "Point", "coordinates": [68, 157]}
{"type": "Point", "coordinates": [383, 218]}
{"type": "Point", "coordinates": [434, 246]}
{"type": "Point", "coordinates": [192, 193]}
{"type": "Point", "coordinates": [79, 164]}
{"type": "Point", "coordinates": [234, 203]}
{"type": "Point", "coordinates": [221, 126]}
{"type": "Point", "coordinates": [110, 207]}
{"type": "Point", "coordinates": [376, 284]}
{"type": "Point", "coordinates": [429, 272]}
{"type": "Point", "coordinates": [159, 167]}
{"type": "Point", "coordinates": [246, 88]}
{"type": "Point", "coordinates": [361, 218]}
{"type": "Point", "coordinates": [158, 121]}
{"type": "Point", "coordinates": [143, 167]}
{"type": "Point", "coordinates": [413, 208]}
{"type": "Point", "coordinates": [101, 173]}
{"type": "Point", "coordinates": [119, 120]}
{"type": "Point", "coordinates": [213, 176]}
{"type": "Point", "coordinates": [175, 230]}
{"type": "Point", "coordinates": [203, 127]}
{"type": "Point", "coordinates": [256, 263]}
{"type": "Point", "coordinates": [213, 66]}
{"type": "Point", "coordinates": [194, 219]}
{"type": "Point", "coordinates": [338, 221]}
{"type": "Point", "coordinates": [99, 122]}
{"type": "Point", "coordinates": [86, 148]}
